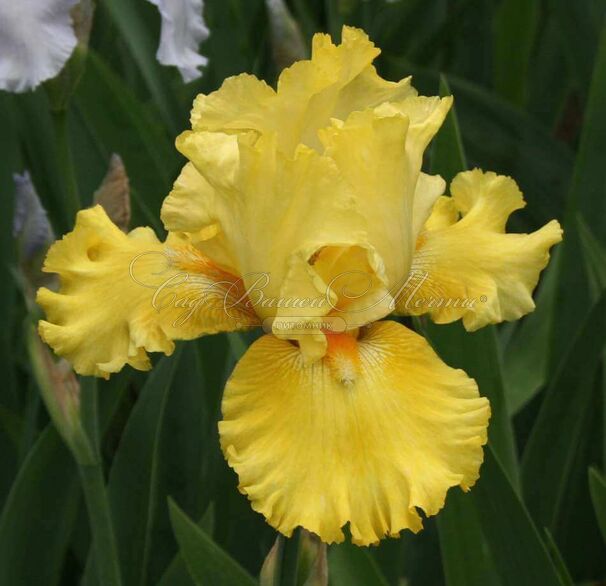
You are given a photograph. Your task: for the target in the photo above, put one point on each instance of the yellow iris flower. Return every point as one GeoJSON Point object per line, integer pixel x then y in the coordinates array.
{"type": "Point", "coordinates": [307, 206]}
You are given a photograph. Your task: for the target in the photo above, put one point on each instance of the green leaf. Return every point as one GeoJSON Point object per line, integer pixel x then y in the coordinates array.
{"type": "Point", "coordinates": [176, 574]}
{"type": "Point", "coordinates": [448, 156]}
{"type": "Point", "coordinates": [588, 199]}
{"type": "Point", "coordinates": [588, 194]}
{"type": "Point", "coordinates": [133, 481]}
{"type": "Point", "coordinates": [183, 449]}
{"type": "Point", "coordinates": [558, 561]}
{"type": "Point", "coordinates": [597, 486]}
{"type": "Point", "coordinates": [594, 256]}
{"type": "Point", "coordinates": [514, 19]}
{"type": "Point", "coordinates": [460, 532]}
{"type": "Point", "coordinates": [562, 421]}
{"type": "Point", "coordinates": [38, 140]}
{"type": "Point", "coordinates": [208, 564]}
{"type": "Point", "coordinates": [349, 565]}
{"type": "Point", "coordinates": [516, 546]}
{"type": "Point", "coordinates": [39, 515]}
{"type": "Point", "coordinates": [579, 29]}
{"type": "Point", "coordinates": [129, 18]}
{"type": "Point", "coordinates": [526, 354]}
{"type": "Point", "coordinates": [502, 138]}
{"type": "Point", "coordinates": [118, 122]}
{"type": "Point", "coordinates": [550, 84]}
{"type": "Point", "coordinates": [9, 163]}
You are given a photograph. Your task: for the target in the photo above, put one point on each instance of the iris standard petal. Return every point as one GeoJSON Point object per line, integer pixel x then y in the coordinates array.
{"type": "Point", "coordinates": [283, 181]}
{"type": "Point", "coordinates": [377, 430]}
{"type": "Point", "coordinates": [337, 80]}
{"type": "Point", "coordinates": [380, 157]}
{"type": "Point", "coordinates": [468, 268]}
{"type": "Point", "coordinates": [123, 295]}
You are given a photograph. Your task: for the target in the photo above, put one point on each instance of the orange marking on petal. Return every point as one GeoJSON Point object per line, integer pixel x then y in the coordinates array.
{"type": "Point", "coordinates": [191, 260]}
{"type": "Point", "coordinates": [420, 241]}
{"type": "Point", "coordinates": [343, 358]}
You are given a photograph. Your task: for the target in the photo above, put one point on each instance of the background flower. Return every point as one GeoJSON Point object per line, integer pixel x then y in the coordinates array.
{"type": "Point", "coordinates": [183, 29]}
{"type": "Point", "coordinates": [36, 40]}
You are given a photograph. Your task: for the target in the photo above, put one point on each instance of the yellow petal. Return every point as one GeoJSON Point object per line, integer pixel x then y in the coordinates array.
{"type": "Point", "coordinates": [241, 103]}
{"type": "Point", "coordinates": [370, 153]}
{"type": "Point", "coordinates": [428, 190]}
{"type": "Point", "coordinates": [379, 428]}
{"type": "Point", "coordinates": [368, 90]}
{"type": "Point", "coordinates": [185, 209]}
{"type": "Point", "coordinates": [274, 212]}
{"type": "Point", "coordinates": [426, 115]}
{"type": "Point", "coordinates": [309, 91]}
{"type": "Point", "coordinates": [276, 180]}
{"type": "Point", "coordinates": [395, 198]}
{"type": "Point", "coordinates": [337, 80]}
{"type": "Point", "coordinates": [354, 276]}
{"type": "Point", "coordinates": [443, 214]}
{"type": "Point", "coordinates": [123, 295]}
{"type": "Point", "coordinates": [470, 268]}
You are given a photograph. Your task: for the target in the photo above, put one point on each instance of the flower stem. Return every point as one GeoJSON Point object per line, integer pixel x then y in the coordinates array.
{"type": "Point", "coordinates": [104, 543]}
{"type": "Point", "coordinates": [289, 565]}
{"type": "Point", "coordinates": [66, 164]}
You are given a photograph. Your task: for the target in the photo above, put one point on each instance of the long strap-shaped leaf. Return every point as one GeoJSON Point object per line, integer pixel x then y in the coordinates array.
{"type": "Point", "coordinates": [39, 514]}
{"type": "Point", "coordinates": [208, 564]}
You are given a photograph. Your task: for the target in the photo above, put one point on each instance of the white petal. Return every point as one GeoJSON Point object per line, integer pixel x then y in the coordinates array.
{"type": "Point", "coordinates": [183, 29]}
{"type": "Point", "coordinates": [36, 39]}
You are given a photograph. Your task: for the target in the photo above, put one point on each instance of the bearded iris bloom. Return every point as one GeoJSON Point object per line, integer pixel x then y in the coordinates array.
{"type": "Point", "coordinates": [314, 191]}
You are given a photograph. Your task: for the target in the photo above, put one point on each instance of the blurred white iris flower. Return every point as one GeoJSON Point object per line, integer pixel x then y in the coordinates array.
{"type": "Point", "coordinates": [37, 38]}
{"type": "Point", "coordinates": [183, 29]}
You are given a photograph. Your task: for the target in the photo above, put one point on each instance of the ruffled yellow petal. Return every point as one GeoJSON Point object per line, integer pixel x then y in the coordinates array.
{"type": "Point", "coordinates": [379, 428]}
{"type": "Point", "coordinates": [273, 215]}
{"type": "Point", "coordinates": [370, 153]}
{"type": "Point", "coordinates": [337, 80]}
{"type": "Point", "coordinates": [428, 190]}
{"type": "Point", "coordinates": [470, 268]}
{"type": "Point", "coordinates": [242, 103]}
{"type": "Point", "coordinates": [368, 90]}
{"type": "Point", "coordinates": [327, 162]}
{"type": "Point", "coordinates": [443, 214]}
{"type": "Point", "coordinates": [123, 295]}
{"type": "Point", "coordinates": [186, 209]}
{"type": "Point", "coordinates": [355, 278]}
{"type": "Point", "coordinates": [426, 115]}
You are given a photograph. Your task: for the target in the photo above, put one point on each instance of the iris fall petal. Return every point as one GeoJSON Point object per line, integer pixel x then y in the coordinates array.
{"type": "Point", "coordinates": [378, 429]}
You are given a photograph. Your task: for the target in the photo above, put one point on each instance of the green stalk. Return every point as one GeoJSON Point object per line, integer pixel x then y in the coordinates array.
{"type": "Point", "coordinates": [90, 465]}
{"type": "Point", "coordinates": [104, 543]}
{"type": "Point", "coordinates": [289, 565]}
{"type": "Point", "coordinates": [66, 164]}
